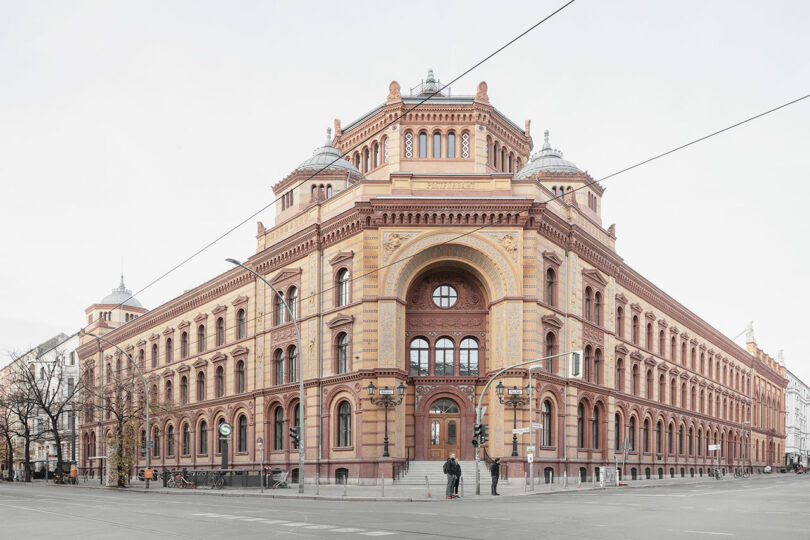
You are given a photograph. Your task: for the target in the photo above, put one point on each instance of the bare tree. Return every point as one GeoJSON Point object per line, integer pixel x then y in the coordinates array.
{"type": "Point", "coordinates": [22, 411]}
{"type": "Point", "coordinates": [7, 448]}
{"type": "Point", "coordinates": [53, 391]}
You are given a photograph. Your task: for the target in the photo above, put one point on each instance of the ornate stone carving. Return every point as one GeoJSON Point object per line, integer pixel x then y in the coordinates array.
{"type": "Point", "coordinates": [394, 94]}
{"type": "Point", "coordinates": [392, 241]}
{"type": "Point", "coordinates": [481, 95]}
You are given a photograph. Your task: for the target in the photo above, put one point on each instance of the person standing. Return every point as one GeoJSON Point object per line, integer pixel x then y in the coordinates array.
{"type": "Point", "coordinates": [450, 470]}
{"type": "Point", "coordinates": [457, 472]}
{"type": "Point", "coordinates": [495, 473]}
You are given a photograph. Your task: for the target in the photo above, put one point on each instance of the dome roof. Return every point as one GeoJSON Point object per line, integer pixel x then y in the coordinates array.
{"type": "Point", "coordinates": [324, 157]}
{"type": "Point", "coordinates": [546, 160]}
{"type": "Point", "coordinates": [121, 295]}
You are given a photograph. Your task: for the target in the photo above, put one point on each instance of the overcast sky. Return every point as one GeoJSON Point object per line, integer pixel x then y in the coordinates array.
{"type": "Point", "coordinates": [144, 130]}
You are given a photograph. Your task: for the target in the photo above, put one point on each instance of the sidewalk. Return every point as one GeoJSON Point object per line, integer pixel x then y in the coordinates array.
{"type": "Point", "coordinates": [400, 493]}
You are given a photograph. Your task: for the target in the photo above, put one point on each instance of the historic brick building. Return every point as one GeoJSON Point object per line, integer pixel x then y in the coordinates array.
{"type": "Point", "coordinates": [434, 253]}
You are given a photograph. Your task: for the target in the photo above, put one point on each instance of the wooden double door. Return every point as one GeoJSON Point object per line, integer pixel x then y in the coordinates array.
{"type": "Point", "coordinates": [444, 429]}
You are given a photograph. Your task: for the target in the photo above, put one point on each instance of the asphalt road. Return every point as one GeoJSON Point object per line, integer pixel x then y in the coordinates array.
{"type": "Point", "coordinates": [766, 507]}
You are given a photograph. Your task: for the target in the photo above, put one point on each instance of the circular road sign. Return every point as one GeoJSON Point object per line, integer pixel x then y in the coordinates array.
{"type": "Point", "coordinates": [260, 442]}
{"type": "Point", "coordinates": [225, 429]}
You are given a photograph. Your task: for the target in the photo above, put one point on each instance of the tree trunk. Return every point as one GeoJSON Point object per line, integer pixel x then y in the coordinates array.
{"type": "Point", "coordinates": [27, 454]}
{"type": "Point", "coordinates": [120, 453]}
{"type": "Point", "coordinates": [57, 439]}
{"type": "Point", "coordinates": [10, 459]}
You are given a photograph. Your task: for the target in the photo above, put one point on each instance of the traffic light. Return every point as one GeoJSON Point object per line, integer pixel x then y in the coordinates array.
{"type": "Point", "coordinates": [294, 437]}
{"type": "Point", "coordinates": [484, 434]}
{"type": "Point", "coordinates": [476, 434]}
{"type": "Point", "coordinates": [576, 365]}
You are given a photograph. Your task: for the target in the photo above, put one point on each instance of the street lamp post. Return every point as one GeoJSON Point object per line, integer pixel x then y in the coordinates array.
{"type": "Point", "coordinates": [385, 400]}
{"type": "Point", "coordinates": [145, 393]}
{"type": "Point", "coordinates": [301, 396]}
{"type": "Point", "coordinates": [514, 400]}
{"type": "Point", "coordinates": [750, 443]}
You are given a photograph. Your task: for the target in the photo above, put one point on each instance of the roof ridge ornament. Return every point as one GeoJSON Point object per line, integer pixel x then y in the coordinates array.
{"type": "Point", "coordinates": [328, 137]}
{"type": "Point", "coordinates": [430, 83]}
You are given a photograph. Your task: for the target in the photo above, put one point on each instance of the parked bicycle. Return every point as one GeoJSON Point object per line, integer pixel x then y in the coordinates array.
{"type": "Point", "coordinates": [716, 473]}
{"type": "Point", "coordinates": [218, 481]}
{"type": "Point", "coordinates": [182, 482]}
{"type": "Point", "coordinates": [741, 473]}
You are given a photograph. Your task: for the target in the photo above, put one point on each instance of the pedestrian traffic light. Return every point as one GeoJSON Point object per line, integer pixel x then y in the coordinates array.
{"type": "Point", "coordinates": [476, 434]}
{"type": "Point", "coordinates": [294, 437]}
{"type": "Point", "coordinates": [484, 434]}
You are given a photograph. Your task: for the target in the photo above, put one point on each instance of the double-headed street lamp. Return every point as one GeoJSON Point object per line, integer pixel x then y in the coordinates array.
{"type": "Point", "coordinates": [301, 396]}
{"type": "Point", "coordinates": [385, 400]}
{"type": "Point", "coordinates": [514, 400]}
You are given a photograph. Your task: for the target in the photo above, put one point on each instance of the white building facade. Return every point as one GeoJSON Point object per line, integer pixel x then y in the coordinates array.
{"type": "Point", "coordinates": [797, 411]}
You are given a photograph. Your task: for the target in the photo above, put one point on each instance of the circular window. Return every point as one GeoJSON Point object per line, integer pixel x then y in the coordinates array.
{"type": "Point", "coordinates": [445, 296]}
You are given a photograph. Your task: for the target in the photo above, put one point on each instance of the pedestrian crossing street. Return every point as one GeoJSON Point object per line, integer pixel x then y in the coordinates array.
{"type": "Point", "coordinates": [295, 524]}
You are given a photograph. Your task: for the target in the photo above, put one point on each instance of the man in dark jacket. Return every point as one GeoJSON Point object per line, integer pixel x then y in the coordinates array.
{"type": "Point", "coordinates": [495, 473]}
{"type": "Point", "coordinates": [457, 472]}
{"type": "Point", "coordinates": [450, 470]}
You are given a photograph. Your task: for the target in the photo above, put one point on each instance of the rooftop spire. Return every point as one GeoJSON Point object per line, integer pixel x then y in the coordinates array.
{"type": "Point", "coordinates": [430, 82]}
{"type": "Point", "coordinates": [328, 137]}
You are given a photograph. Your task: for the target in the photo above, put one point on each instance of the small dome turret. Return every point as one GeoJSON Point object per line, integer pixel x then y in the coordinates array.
{"type": "Point", "coordinates": [325, 156]}
{"type": "Point", "coordinates": [547, 159]}
{"type": "Point", "coordinates": [121, 295]}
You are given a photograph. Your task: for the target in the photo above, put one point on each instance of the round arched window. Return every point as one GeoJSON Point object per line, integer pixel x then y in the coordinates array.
{"type": "Point", "coordinates": [445, 296]}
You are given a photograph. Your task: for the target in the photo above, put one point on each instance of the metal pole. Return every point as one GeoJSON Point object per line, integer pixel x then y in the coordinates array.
{"type": "Point", "coordinates": [145, 392]}
{"type": "Point", "coordinates": [261, 468]}
{"type": "Point", "coordinates": [301, 396]}
{"type": "Point", "coordinates": [514, 427]}
{"type": "Point", "coordinates": [385, 439]}
{"type": "Point", "coordinates": [531, 427]}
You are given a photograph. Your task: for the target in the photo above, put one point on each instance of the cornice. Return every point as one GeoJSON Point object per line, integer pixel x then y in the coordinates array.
{"type": "Point", "coordinates": [219, 309]}
{"type": "Point", "coordinates": [340, 320]}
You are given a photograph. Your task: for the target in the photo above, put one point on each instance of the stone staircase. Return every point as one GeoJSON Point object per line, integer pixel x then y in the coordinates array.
{"type": "Point", "coordinates": [417, 470]}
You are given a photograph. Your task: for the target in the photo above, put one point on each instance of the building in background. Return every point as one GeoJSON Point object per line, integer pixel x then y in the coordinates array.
{"type": "Point", "coordinates": [797, 411]}
{"type": "Point", "coordinates": [427, 247]}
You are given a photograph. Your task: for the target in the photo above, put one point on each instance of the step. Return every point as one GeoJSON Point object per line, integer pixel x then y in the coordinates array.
{"type": "Point", "coordinates": [417, 471]}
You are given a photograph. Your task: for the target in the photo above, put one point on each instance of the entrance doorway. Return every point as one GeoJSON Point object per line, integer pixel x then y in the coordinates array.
{"type": "Point", "coordinates": [445, 429]}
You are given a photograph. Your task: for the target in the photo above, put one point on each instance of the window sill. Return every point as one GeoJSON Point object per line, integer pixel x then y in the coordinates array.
{"type": "Point", "coordinates": [342, 448]}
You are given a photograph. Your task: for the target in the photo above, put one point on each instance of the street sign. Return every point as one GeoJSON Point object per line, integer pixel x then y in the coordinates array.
{"type": "Point", "coordinates": [150, 444]}
{"type": "Point", "coordinates": [537, 425]}
{"type": "Point", "coordinates": [225, 429]}
{"type": "Point", "coordinates": [515, 391]}
{"type": "Point", "coordinates": [260, 442]}
{"type": "Point", "coordinates": [520, 430]}
{"type": "Point", "coordinates": [625, 445]}
{"type": "Point", "coordinates": [714, 447]}
{"type": "Point", "coordinates": [530, 449]}
{"type": "Point", "coordinates": [530, 457]}
{"type": "Point", "coordinates": [147, 474]}
{"type": "Point", "coordinates": [387, 392]}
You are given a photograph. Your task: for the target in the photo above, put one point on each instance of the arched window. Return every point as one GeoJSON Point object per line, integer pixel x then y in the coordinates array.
{"type": "Point", "coordinates": [620, 321]}
{"type": "Point", "coordinates": [200, 386]}
{"type": "Point", "coordinates": [662, 389]}
{"type": "Point", "coordinates": [385, 150]}
{"type": "Point", "coordinates": [437, 145]}
{"type": "Point", "coordinates": [680, 440]}
{"type": "Point", "coordinates": [683, 354]}
{"type": "Point", "coordinates": [156, 439]}
{"type": "Point", "coordinates": [297, 423]}
{"type": "Point", "coordinates": [219, 382]}
{"type": "Point", "coordinates": [292, 360]}
{"type": "Point", "coordinates": [443, 359]}
{"type": "Point", "coordinates": [670, 448]}
{"type": "Point", "coordinates": [203, 437]}
{"type": "Point", "coordinates": [240, 376]}
{"type": "Point", "coordinates": [661, 343]}
{"type": "Point", "coordinates": [545, 419]}
{"type": "Point", "coordinates": [673, 350]}
{"type": "Point", "coordinates": [597, 308]}
{"type": "Point", "coordinates": [468, 357]}
{"type": "Point", "coordinates": [184, 345]}
{"type": "Point", "coordinates": [141, 359]}
{"type": "Point", "coordinates": [170, 441]}
{"type": "Point", "coordinates": [342, 353]}
{"type": "Point", "coordinates": [343, 287]}
{"type": "Point", "coordinates": [684, 403]}
{"type": "Point", "coordinates": [673, 393]}
{"type": "Point", "coordinates": [646, 435]}
{"type": "Point", "coordinates": [503, 159]}
{"type": "Point", "coordinates": [184, 389]}
{"type": "Point", "coordinates": [292, 301]}
{"type": "Point", "coordinates": [408, 144]}
{"type": "Point", "coordinates": [419, 357]}
{"type": "Point", "coordinates": [168, 391]}
{"type": "Point", "coordinates": [634, 380]}
{"type": "Point", "coordinates": [451, 145]}
{"type": "Point", "coordinates": [278, 362]}
{"type": "Point", "coordinates": [635, 330]}
{"type": "Point", "coordinates": [154, 356]}
{"type": "Point", "coordinates": [649, 384]}
{"type": "Point", "coordinates": [423, 145]}
{"type": "Point", "coordinates": [620, 375]}
{"type": "Point", "coordinates": [597, 365]}
{"type": "Point", "coordinates": [365, 160]}
{"type": "Point", "coordinates": [658, 434]}
{"type": "Point", "coordinates": [344, 425]}
{"type": "Point", "coordinates": [186, 440]}
{"type": "Point", "coordinates": [220, 331]}
{"type": "Point", "coordinates": [465, 145]}
{"type": "Point", "coordinates": [595, 429]}
{"type": "Point", "coordinates": [222, 442]}
{"type": "Point", "coordinates": [632, 433]}
{"type": "Point", "coordinates": [240, 324]}
{"type": "Point", "coordinates": [587, 303]}
{"type": "Point", "coordinates": [580, 426]}
{"type": "Point", "coordinates": [550, 346]}
{"type": "Point", "coordinates": [243, 434]}
{"type": "Point", "coordinates": [278, 429]}
{"type": "Point", "coordinates": [617, 432]}
{"type": "Point", "coordinates": [550, 296]}
{"type": "Point", "coordinates": [201, 338]}
{"type": "Point", "coordinates": [586, 368]}
{"type": "Point", "coordinates": [375, 155]}
{"type": "Point", "coordinates": [649, 337]}
{"type": "Point", "coordinates": [279, 308]}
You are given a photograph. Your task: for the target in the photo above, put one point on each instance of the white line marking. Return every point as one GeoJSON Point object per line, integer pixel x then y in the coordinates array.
{"type": "Point", "coordinates": [378, 533]}
{"type": "Point", "coordinates": [347, 529]}
{"type": "Point", "coordinates": [708, 532]}
{"type": "Point", "coordinates": [322, 527]}
{"type": "Point", "coordinates": [273, 521]}
{"type": "Point", "coordinates": [422, 513]}
{"type": "Point", "coordinates": [297, 524]}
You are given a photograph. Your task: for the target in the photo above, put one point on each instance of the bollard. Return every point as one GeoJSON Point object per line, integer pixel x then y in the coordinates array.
{"type": "Point", "coordinates": [525, 481]}
{"type": "Point", "coordinates": [317, 483]}
{"type": "Point", "coordinates": [427, 483]}
{"type": "Point", "coordinates": [461, 487]}
{"type": "Point", "coordinates": [382, 478]}
{"type": "Point", "coordinates": [345, 480]}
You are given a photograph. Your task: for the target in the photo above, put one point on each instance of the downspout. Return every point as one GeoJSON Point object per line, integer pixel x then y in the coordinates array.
{"type": "Point", "coordinates": [320, 363]}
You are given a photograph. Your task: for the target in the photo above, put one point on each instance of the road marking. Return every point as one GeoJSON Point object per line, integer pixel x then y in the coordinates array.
{"type": "Point", "coordinates": [297, 524]}
{"type": "Point", "coordinates": [498, 519]}
{"type": "Point", "coordinates": [377, 533]}
{"type": "Point", "coordinates": [347, 529]}
{"type": "Point", "coordinates": [422, 513]}
{"type": "Point", "coordinates": [305, 525]}
{"type": "Point", "coordinates": [777, 512]}
{"type": "Point", "coordinates": [273, 521]}
{"type": "Point", "coordinates": [323, 527]}
{"type": "Point", "coordinates": [707, 532]}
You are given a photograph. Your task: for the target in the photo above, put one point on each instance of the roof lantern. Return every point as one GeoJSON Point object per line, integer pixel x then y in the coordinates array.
{"type": "Point", "coordinates": [327, 157]}
{"type": "Point", "coordinates": [121, 295]}
{"type": "Point", "coordinates": [547, 159]}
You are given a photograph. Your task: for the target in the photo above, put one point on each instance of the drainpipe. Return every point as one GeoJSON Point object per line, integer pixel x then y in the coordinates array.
{"type": "Point", "coordinates": [320, 365]}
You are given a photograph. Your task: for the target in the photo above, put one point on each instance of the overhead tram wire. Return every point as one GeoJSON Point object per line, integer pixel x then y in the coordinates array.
{"type": "Point", "coordinates": [358, 145]}
{"type": "Point", "coordinates": [587, 184]}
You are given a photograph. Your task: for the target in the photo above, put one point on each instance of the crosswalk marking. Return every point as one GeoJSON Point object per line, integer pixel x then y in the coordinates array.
{"type": "Point", "coordinates": [302, 524]}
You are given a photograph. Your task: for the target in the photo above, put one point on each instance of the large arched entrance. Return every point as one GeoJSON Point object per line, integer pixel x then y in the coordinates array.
{"type": "Point", "coordinates": [444, 421]}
